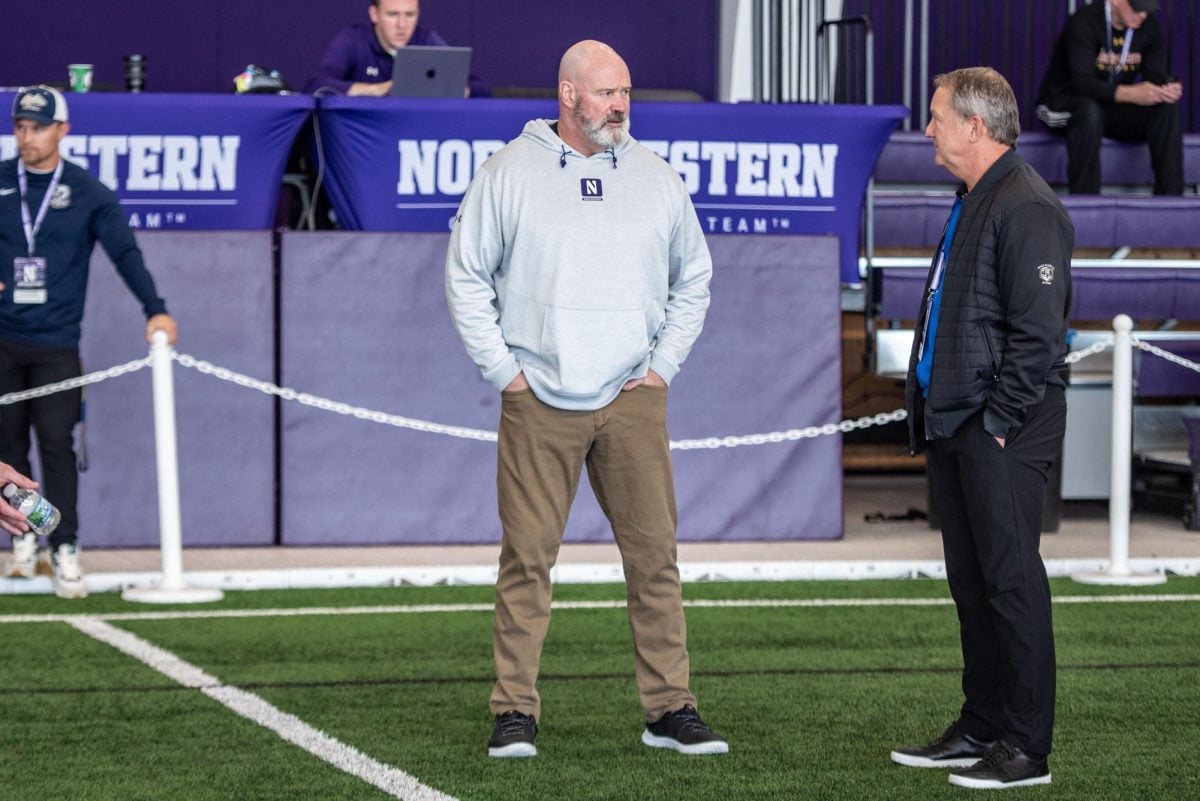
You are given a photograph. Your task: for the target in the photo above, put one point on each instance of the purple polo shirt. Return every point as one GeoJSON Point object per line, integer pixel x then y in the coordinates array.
{"type": "Point", "coordinates": [355, 56]}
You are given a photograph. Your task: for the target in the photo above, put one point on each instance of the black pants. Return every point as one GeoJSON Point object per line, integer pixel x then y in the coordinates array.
{"type": "Point", "coordinates": [990, 502]}
{"type": "Point", "coordinates": [53, 417]}
{"type": "Point", "coordinates": [1127, 122]}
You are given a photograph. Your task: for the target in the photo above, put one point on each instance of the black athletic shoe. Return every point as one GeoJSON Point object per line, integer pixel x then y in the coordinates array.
{"type": "Point", "coordinates": [512, 736]}
{"type": "Point", "coordinates": [684, 731]}
{"type": "Point", "coordinates": [954, 749]}
{"type": "Point", "coordinates": [1004, 765]}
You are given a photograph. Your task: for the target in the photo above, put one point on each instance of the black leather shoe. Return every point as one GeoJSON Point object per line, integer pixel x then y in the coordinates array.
{"type": "Point", "coordinates": [954, 749]}
{"type": "Point", "coordinates": [1004, 765]}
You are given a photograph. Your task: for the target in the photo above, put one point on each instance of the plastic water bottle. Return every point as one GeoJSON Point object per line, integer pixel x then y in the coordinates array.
{"type": "Point", "coordinates": [43, 516]}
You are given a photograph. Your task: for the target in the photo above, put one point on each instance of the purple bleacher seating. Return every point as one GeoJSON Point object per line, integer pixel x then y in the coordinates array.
{"type": "Point", "coordinates": [1159, 378]}
{"type": "Point", "coordinates": [902, 290]}
{"type": "Point", "coordinates": [912, 211]}
{"type": "Point", "coordinates": [1143, 294]}
{"type": "Point", "coordinates": [1187, 294]}
{"type": "Point", "coordinates": [908, 159]}
{"type": "Point", "coordinates": [915, 219]}
{"type": "Point", "coordinates": [1098, 294]}
{"type": "Point", "coordinates": [913, 195]}
{"type": "Point", "coordinates": [911, 218]}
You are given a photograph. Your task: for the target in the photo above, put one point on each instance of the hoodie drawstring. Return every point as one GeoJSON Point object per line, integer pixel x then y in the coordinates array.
{"type": "Point", "coordinates": [562, 160]}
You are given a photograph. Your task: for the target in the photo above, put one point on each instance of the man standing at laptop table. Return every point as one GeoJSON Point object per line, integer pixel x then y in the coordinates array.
{"type": "Point", "coordinates": [358, 62]}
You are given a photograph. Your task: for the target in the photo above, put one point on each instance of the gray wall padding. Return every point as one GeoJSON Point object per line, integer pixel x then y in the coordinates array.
{"type": "Point", "coordinates": [218, 286]}
{"type": "Point", "coordinates": [365, 322]}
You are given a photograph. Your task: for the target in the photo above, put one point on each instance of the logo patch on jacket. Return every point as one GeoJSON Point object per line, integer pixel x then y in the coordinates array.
{"type": "Point", "coordinates": [591, 189]}
{"type": "Point", "coordinates": [61, 198]}
{"type": "Point", "coordinates": [1046, 273]}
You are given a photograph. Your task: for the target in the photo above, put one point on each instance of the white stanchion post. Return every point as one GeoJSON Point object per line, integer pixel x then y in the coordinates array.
{"type": "Point", "coordinates": [171, 589]}
{"type": "Point", "coordinates": [1118, 571]}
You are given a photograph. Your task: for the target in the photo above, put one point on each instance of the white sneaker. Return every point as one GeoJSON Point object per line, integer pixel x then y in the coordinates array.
{"type": "Point", "coordinates": [68, 575]}
{"type": "Point", "coordinates": [22, 563]}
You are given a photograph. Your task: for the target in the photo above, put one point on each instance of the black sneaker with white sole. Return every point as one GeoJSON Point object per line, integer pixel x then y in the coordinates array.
{"type": "Point", "coordinates": [512, 735]}
{"type": "Point", "coordinates": [684, 731]}
{"type": "Point", "coordinates": [1004, 765]}
{"type": "Point", "coordinates": [954, 749]}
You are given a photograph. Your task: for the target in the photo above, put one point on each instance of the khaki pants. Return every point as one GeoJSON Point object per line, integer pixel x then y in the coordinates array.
{"type": "Point", "coordinates": [541, 452]}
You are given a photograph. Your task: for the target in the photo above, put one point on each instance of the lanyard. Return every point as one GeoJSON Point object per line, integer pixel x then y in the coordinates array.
{"type": "Point", "coordinates": [31, 227]}
{"type": "Point", "coordinates": [944, 250]}
{"type": "Point", "coordinates": [939, 267]}
{"type": "Point", "coordinates": [1128, 40]}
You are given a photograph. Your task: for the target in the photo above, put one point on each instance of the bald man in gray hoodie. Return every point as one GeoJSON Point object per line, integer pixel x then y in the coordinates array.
{"type": "Point", "coordinates": [577, 276]}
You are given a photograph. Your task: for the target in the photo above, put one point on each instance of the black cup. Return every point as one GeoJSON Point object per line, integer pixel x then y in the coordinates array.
{"type": "Point", "coordinates": [135, 72]}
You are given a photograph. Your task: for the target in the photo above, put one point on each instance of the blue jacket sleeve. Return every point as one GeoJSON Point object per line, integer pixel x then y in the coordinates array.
{"type": "Point", "coordinates": [110, 227]}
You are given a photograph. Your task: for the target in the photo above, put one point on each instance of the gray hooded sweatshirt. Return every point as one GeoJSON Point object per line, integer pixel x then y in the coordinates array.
{"type": "Point", "coordinates": [582, 272]}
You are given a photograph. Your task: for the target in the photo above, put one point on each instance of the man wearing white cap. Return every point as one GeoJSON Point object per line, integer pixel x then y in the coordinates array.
{"type": "Point", "coordinates": [52, 212]}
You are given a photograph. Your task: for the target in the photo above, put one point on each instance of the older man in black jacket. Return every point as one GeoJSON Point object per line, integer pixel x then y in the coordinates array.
{"type": "Point", "coordinates": [985, 395]}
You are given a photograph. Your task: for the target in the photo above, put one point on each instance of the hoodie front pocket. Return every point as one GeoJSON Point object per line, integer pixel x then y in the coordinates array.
{"type": "Point", "coordinates": [591, 348]}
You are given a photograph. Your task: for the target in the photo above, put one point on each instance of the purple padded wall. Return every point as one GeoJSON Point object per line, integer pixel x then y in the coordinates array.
{"type": "Point", "coordinates": [365, 322]}
{"type": "Point", "coordinates": [218, 287]}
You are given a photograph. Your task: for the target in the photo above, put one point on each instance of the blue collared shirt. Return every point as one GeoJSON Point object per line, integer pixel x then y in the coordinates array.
{"type": "Point", "coordinates": [929, 337]}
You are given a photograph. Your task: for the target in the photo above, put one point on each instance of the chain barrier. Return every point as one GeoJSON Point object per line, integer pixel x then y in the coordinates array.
{"type": "Point", "coordinates": [361, 413]}
{"type": "Point", "coordinates": [75, 383]}
{"type": "Point", "coordinates": [1166, 354]}
{"type": "Point", "coordinates": [1090, 350]}
{"type": "Point", "coordinates": [791, 434]}
{"type": "Point", "coordinates": [337, 407]}
{"type": "Point", "coordinates": [327, 405]}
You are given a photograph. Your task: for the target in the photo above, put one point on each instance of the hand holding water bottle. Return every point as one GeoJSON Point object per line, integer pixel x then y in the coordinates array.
{"type": "Point", "coordinates": [11, 519]}
{"type": "Point", "coordinates": [26, 508]}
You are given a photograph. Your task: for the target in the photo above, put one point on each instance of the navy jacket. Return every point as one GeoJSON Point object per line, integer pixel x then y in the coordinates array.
{"type": "Point", "coordinates": [83, 211]}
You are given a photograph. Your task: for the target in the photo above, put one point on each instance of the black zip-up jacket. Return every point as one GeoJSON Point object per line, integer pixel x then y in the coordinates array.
{"type": "Point", "coordinates": [82, 212]}
{"type": "Point", "coordinates": [1006, 295]}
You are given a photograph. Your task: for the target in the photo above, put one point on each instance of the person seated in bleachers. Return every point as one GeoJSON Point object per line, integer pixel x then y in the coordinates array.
{"type": "Point", "coordinates": [359, 59]}
{"type": "Point", "coordinates": [1108, 76]}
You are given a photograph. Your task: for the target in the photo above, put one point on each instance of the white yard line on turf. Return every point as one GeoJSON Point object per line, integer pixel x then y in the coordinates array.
{"type": "Point", "coordinates": [409, 609]}
{"type": "Point", "coordinates": [391, 780]}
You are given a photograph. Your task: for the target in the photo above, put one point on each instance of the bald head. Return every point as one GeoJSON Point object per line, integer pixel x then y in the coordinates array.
{"type": "Point", "coordinates": [593, 97]}
{"type": "Point", "coordinates": [583, 58]}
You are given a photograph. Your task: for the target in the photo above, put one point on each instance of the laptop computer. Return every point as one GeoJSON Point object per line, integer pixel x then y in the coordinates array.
{"type": "Point", "coordinates": [430, 71]}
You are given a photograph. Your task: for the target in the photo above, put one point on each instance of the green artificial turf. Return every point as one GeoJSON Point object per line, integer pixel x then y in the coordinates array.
{"type": "Point", "coordinates": [811, 698]}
